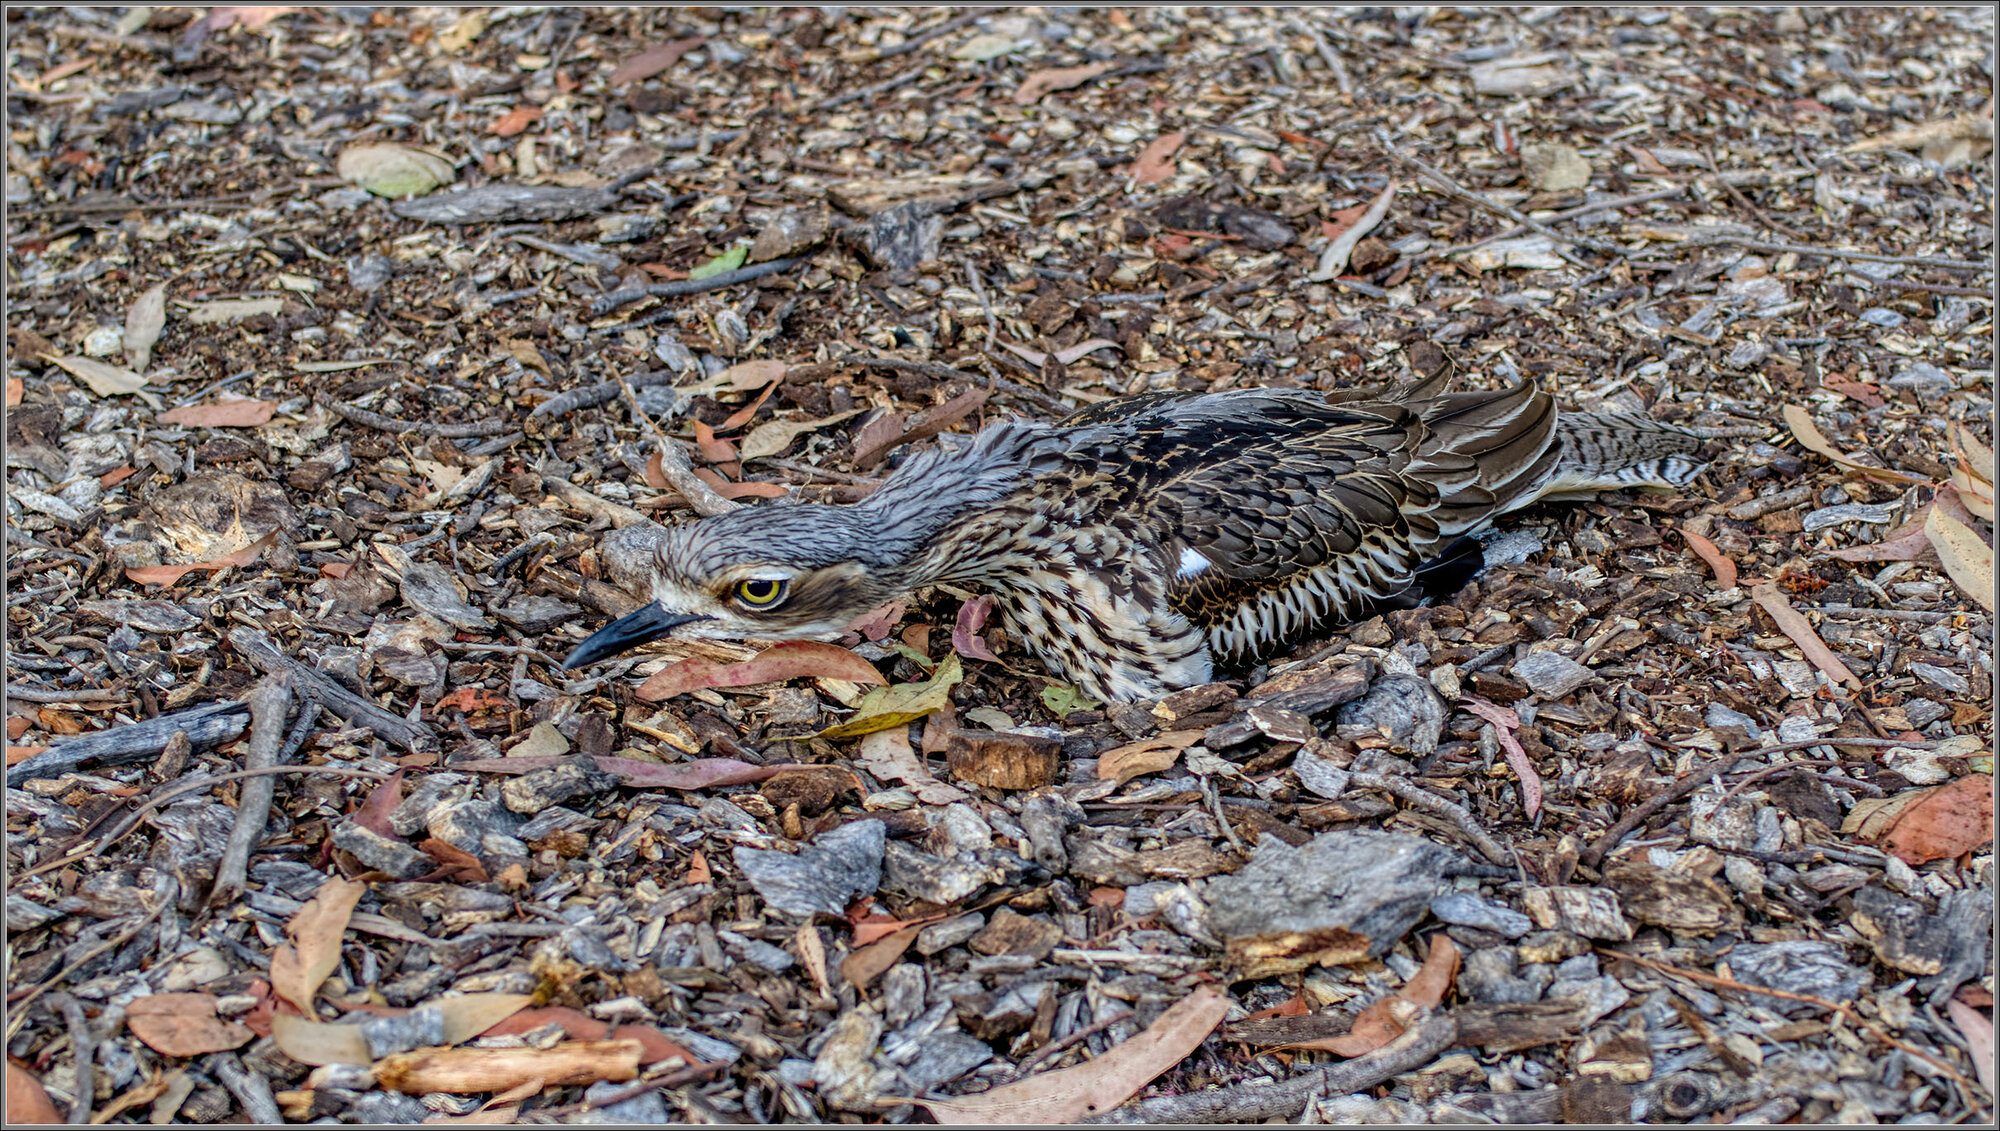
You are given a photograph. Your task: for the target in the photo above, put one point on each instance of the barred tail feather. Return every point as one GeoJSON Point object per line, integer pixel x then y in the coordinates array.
{"type": "Point", "coordinates": [1603, 451]}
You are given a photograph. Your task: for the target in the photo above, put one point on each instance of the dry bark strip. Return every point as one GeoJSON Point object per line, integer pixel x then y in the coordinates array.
{"type": "Point", "coordinates": [270, 703]}
{"type": "Point", "coordinates": [1286, 1099]}
{"type": "Point", "coordinates": [256, 647]}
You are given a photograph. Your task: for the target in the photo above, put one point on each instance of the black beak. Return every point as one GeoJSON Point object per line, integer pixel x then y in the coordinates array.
{"type": "Point", "coordinates": [627, 632]}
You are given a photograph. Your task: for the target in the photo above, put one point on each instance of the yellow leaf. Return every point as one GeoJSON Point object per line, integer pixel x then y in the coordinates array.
{"type": "Point", "coordinates": [1813, 440]}
{"type": "Point", "coordinates": [1978, 457]}
{"type": "Point", "coordinates": [902, 704]}
{"type": "Point", "coordinates": [104, 378]}
{"type": "Point", "coordinates": [1968, 560]}
{"type": "Point", "coordinates": [461, 35]}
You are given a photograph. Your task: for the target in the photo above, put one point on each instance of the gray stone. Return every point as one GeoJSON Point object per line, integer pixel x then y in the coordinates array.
{"type": "Point", "coordinates": [825, 876]}
{"type": "Point", "coordinates": [1550, 675]}
{"type": "Point", "coordinates": [1468, 910]}
{"type": "Point", "coordinates": [1338, 898]}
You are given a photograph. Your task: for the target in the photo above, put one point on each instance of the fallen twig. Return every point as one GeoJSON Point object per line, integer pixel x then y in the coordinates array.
{"type": "Point", "coordinates": [1845, 1010]}
{"type": "Point", "coordinates": [1521, 219]}
{"type": "Point", "coordinates": [83, 1054]}
{"type": "Point", "coordinates": [265, 656]}
{"type": "Point", "coordinates": [590, 396]}
{"type": "Point", "coordinates": [270, 702]}
{"type": "Point", "coordinates": [1419, 798]}
{"type": "Point", "coordinates": [1255, 1103]}
{"type": "Point", "coordinates": [606, 303]}
{"type": "Point", "coordinates": [674, 462]}
{"type": "Point", "coordinates": [207, 725]}
{"type": "Point", "coordinates": [133, 818]}
{"type": "Point", "coordinates": [369, 419]}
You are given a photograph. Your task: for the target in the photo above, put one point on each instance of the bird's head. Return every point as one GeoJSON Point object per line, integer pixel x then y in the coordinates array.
{"type": "Point", "coordinates": [765, 573]}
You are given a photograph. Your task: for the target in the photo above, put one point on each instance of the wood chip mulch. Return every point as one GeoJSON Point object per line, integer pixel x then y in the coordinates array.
{"type": "Point", "coordinates": [329, 337]}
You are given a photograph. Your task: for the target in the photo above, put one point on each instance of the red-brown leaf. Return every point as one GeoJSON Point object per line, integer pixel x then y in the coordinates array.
{"type": "Point", "coordinates": [516, 120]}
{"type": "Point", "coordinates": [169, 574]}
{"type": "Point", "coordinates": [789, 660]}
{"type": "Point", "coordinates": [965, 634]}
{"type": "Point", "coordinates": [221, 414]}
{"type": "Point", "coordinates": [183, 1025]}
{"type": "Point", "coordinates": [1156, 161]}
{"type": "Point", "coordinates": [653, 60]}
{"type": "Point", "coordinates": [1953, 820]}
{"type": "Point", "coordinates": [1058, 78]}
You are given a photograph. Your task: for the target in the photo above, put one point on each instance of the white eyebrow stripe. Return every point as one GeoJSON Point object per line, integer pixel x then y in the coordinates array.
{"type": "Point", "coordinates": [1192, 563]}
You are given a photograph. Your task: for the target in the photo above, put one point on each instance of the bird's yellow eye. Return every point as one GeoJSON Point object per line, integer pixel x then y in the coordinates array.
{"type": "Point", "coordinates": [760, 592]}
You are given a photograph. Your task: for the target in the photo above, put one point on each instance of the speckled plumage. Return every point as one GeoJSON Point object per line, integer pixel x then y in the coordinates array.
{"type": "Point", "coordinates": [1141, 544]}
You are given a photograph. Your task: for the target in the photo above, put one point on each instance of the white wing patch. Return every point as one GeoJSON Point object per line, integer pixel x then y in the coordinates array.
{"type": "Point", "coordinates": [1192, 563]}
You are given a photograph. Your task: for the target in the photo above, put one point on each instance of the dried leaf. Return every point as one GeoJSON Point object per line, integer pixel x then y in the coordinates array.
{"type": "Point", "coordinates": [789, 660]}
{"type": "Point", "coordinates": [1975, 493]}
{"type": "Point", "coordinates": [1949, 820]}
{"type": "Point", "coordinates": [183, 1024]}
{"type": "Point", "coordinates": [772, 437]}
{"type": "Point", "coordinates": [1812, 439]}
{"type": "Point", "coordinates": [221, 414]}
{"type": "Point", "coordinates": [698, 870]}
{"type": "Point", "coordinates": [1906, 543]}
{"type": "Point", "coordinates": [315, 931]}
{"type": "Point", "coordinates": [1977, 1029]}
{"type": "Point", "coordinates": [965, 638]}
{"type": "Point", "coordinates": [16, 389]}
{"type": "Point", "coordinates": [516, 120]}
{"type": "Point", "coordinates": [1718, 562]}
{"type": "Point", "coordinates": [873, 959]}
{"type": "Point", "coordinates": [888, 754]}
{"type": "Point", "coordinates": [394, 171]}
{"type": "Point", "coordinates": [1505, 722]}
{"type": "Point", "coordinates": [1146, 756]}
{"type": "Point", "coordinates": [748, 412]}
{"type": "Point", "coordinates": [28, 1102]}
{"type": "Point", "coordinates": [232, 310]}
{"type": "Point", "coordinates": [729, 490]}
{"type": "Point", "coordinates": [463, 33]}
{"type": "Point", "coordinates": [1068, 356]}
{"type": "Point", "coordinates": [1096, 1086]}
{"type": "Point", "coordinates": [745, 376]}
{"type": "Point", "coordinates": [373, 812]}
{"type": "Point", "coordinates": [1058, 78]}
{"type": "Point", "coordinates": [143, 324]}
{"type": "Point", "coordinates": [702, 773]}
{"type": "Point", "coordinates": [1334, 259]}
{"type": "Point", "coordinates": [1977, 457]}
{"type": "Point", "coordinates": [170, 574]}
{"type": "Point", "coordinates": [1967, 558]}
{"type": "Point", "coordinates": [1793, 624]}
{"type": "Point", "coordinates": [653, 60]}
{"type": "Point", "coordinates": [1387, 1018]}
{"type": "Point", "coordinates": [104, 379]}
{"type": "Point", "coordinates": [1156, 161]}
{"type": "Point", "coordinates": [318, 1042]}
{"type": "Point", "coordinates": [902, 704]}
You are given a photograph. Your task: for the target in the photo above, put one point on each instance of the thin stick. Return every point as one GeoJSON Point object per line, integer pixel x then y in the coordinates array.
{"type": "Point", "coordinates": [1420, 798]}
{"type": "Point", "coordinates": [928, 34]}
{"type": "Point", "coordinates": [20, 1003]}
{"type": "Point", "coordinates": [1835, 252]}
{"type": "Point", "coordinates": [132, 821]}
{"type": "Point", "coordinates": [1701, 777]}
{"type": "Point", "coordinates": [674, 463]}
{"type": "Point", "coordinates": [606, 303]}
{"type": "Point", "coordinates": [368, 419]}
{"type": "Point", "coordinates": [1841, 1008]}
{"type": "Point", "coordinates": [83, 1051]}
{"type": "Point", "coordinates": [1438, 177]}
{"type": "Point", "coordinates": [270, 702]}
{"type": "Point", "coordinates": [1056, 1048]}
{"type": "Point", "coordinates": [1254, 1103]}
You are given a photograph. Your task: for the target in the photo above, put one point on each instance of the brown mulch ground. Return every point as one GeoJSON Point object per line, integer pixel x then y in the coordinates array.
{"type": "Point", "coordinates": [1694, 790]}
